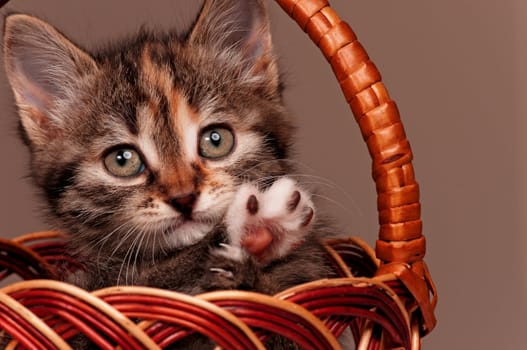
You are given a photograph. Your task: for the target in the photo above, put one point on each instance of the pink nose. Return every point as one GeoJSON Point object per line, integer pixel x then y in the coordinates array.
{"type": "Point", "coordinates": [184, 203]}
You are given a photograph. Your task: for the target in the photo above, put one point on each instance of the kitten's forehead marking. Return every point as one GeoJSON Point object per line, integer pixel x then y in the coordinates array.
{"type": "Point", "coordinates": [187, 123]}
{"type": "Point", "coordinates": [146, 115]}
{"type": "Point", "coordinates": [160, 83]}
{"type": "Point", "coordinates": [157, 78]}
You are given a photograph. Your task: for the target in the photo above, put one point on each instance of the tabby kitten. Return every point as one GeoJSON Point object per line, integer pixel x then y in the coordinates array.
{"type": "Point", "coordinates": [165, 156]}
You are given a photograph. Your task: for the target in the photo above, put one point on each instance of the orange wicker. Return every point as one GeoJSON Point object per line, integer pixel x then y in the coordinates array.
{"type": "Point", "coordinates": [386, 297]}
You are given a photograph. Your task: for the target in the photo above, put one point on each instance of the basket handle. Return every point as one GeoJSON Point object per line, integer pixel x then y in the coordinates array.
{"type": "Point", "coordinates": [400, 245]}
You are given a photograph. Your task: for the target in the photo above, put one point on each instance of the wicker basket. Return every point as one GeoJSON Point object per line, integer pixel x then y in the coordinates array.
{"type": "Point", "coordinates": [386, 297]}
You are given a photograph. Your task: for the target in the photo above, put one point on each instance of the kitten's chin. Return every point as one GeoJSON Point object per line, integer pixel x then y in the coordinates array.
{"type": "Point", "coordinates": [187, 233]}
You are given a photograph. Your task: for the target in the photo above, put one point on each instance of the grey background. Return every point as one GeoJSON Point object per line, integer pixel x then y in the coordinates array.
{"type": "Point", "coordinates": [458, 72]}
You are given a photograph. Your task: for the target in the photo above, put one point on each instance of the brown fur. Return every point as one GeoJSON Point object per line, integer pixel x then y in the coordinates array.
{"type": "Point", "coordinates": [149, 92]}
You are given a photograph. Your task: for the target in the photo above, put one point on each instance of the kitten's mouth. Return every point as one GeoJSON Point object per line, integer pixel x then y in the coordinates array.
{"type": "Point", "coordinates": [192, 221]}
{"type": "Point", "coordinates": [185, 231]}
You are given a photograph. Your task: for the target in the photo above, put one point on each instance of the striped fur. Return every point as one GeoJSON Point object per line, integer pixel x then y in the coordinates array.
{"type": "Point", "coordinates": [154, 92]}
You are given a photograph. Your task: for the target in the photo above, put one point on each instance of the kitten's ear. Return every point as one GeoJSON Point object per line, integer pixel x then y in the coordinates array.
{"type": "Point", "coordinates": [239, 25]}
{"type": "Point", "coordinates": [44, 69]}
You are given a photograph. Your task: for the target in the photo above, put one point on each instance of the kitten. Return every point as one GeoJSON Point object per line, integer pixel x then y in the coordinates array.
{"type": "Point", "coordinates": [165, 156]}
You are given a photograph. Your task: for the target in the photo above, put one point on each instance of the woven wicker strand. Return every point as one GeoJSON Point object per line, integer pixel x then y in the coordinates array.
{"type": "Point", "coordinates": [233, 330]}
{"type": "Point", "coordinates": [386, 298]}
{"type": "Point", "coordinates": [48, 297]}
{"type": "Point", "coordinates": [9, 306]}
{"type": "Point", "coordinates": [24, 261]}
{"type": "Point", "coordinates": [311, 328]}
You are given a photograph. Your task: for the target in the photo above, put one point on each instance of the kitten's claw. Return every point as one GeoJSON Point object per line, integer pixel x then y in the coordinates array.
{"type": "Point", "coordinates": [222, 272]}
{"type": "Point", "coordinates": [252, 204]}
{"type": "Point", "coordinates": [293, 201]}
{"type": "Point", "coordinates": [308, 217]}
{"type": "Point", "coordinates": [230, 252]}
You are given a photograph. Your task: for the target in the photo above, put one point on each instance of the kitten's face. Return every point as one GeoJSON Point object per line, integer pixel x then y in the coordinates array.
{"type": "Point", "coordinates": [144, 144]}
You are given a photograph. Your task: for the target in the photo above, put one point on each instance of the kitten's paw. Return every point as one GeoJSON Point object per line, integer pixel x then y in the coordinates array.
{"type": "Point", "coordinates": [269, 224]}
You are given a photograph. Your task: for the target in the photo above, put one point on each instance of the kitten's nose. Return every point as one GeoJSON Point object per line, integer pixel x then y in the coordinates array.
{"type": "Point", "coordinates": [184, 203]}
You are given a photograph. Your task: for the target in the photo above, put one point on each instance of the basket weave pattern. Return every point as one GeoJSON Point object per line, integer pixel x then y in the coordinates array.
{"type": "Point", "coordinates": [386, 297]}
{"type": "Point", "coordinates": [43, 313]}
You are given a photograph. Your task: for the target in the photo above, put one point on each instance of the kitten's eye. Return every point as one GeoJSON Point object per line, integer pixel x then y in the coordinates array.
{"type": "Point", "coordinates": [124, 162]}
{"type": "Point", "coordinates": [216, 142]}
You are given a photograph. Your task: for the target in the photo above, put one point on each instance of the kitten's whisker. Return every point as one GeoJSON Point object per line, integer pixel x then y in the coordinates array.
{"type": "Point", "coordinates": [297, 176]}
{"type": "Point", "coordinates": [137, 248]}
{"type": "Point", "coordinates": [128, 256]}
{"type": "Point", "coordinates": [122, 240]}
{"type": "Point", "coordinates": [142, 235]}
{"type": "Point", "coordinates": [335, 202]}
{"type": "Point", "coordinates": [93, 244]}
{"type": "Point", "coordinates": [155, 238]}
{"type": "Point", "coordinates": [241, 174]}
{"type": "Point", "coordinates": [341, 191]}
{"type": "Point", "coordinates": [264, 163]}
{"type": "Point", "coordinates": [90, 216]}
{"type": "Point", "coordinates": [102, 241]}
{"type": "Point", "coordinates": [321, 181]}
{"type": "Point", "coordinates": [164, 236]}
